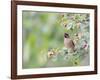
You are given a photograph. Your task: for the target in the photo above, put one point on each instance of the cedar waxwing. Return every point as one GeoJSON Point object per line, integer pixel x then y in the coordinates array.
{"type": "Point", "coordinates": [69, 44]}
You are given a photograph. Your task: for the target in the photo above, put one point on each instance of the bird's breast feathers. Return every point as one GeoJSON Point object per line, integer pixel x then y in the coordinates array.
{"type": "Point", "coordinates": [68, 43]}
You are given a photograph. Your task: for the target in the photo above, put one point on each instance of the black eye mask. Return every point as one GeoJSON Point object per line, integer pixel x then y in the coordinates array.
{"type": "Point", "coordinates": [66, 35]}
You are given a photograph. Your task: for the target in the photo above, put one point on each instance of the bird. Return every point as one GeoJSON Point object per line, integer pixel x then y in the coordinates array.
{"type": "Point", "coordinates": [68, 43]}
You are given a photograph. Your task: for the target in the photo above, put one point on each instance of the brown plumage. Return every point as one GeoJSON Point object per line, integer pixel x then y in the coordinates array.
{"type": "Point", "coordinates": [69, 44]}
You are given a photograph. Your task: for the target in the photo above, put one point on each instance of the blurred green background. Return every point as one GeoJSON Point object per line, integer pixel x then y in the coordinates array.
{"type": "Point", "coordinates": [44, 31]}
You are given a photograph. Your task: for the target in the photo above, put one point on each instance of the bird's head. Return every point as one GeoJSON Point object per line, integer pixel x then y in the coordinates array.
{"type": "Point", "coordinates": [66, 35]}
